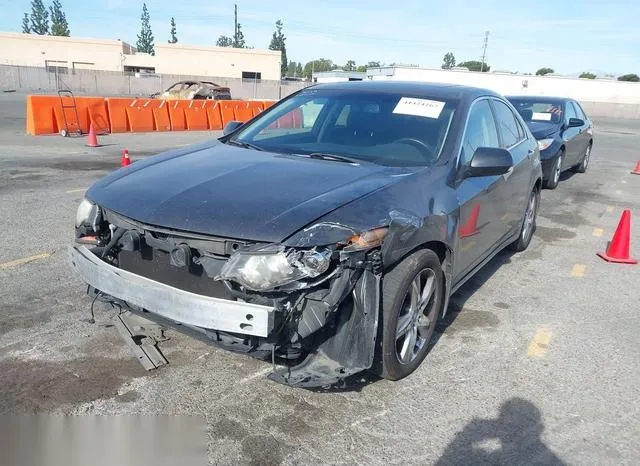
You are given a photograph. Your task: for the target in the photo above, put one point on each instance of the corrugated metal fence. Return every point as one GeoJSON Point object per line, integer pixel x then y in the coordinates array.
{"type": "Point", "coordinates": [112, 83]}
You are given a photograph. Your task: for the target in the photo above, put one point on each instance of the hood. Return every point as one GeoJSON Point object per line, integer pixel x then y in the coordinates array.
{"type": "Point", "coordinates": [542, 129]}
{"type": "Point", "coordinates": [234, 192]}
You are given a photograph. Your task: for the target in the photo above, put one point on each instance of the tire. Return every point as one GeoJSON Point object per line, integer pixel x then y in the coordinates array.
{"type": "Point", "coordinates": [552, 183]}
{"type": "Point", "coordinates": [398, 295]}
{"type": "Point", "coordinates": [528, 223]}
{"type": "Point", "coordinates": [582, 166]}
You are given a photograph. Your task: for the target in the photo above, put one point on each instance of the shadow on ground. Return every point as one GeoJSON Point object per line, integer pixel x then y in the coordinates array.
{"type": "Point", "coordinates": [514, 437]}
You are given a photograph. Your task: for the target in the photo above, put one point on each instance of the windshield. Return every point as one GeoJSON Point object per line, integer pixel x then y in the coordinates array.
{"type": "Point", "coordinates": [536, 110]}
{"type": "Point", "coordinates": [386, 129]}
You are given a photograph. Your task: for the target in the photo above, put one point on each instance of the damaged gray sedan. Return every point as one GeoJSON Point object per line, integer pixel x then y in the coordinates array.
{"type": "Point", "coordinates": [326, 235]}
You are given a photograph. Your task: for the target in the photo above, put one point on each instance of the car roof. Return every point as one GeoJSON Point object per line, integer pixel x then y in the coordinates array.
{"type": "Point", "coordinates": [414, 88]}
{"type": "Point", "coordinates": [543, 98]}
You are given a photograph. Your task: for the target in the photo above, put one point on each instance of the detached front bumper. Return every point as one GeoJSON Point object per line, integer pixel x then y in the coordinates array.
{"type": "Point", "coordinates": [171, 303]}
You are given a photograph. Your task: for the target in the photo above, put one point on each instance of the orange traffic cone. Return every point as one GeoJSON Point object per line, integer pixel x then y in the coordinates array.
{"type": "Point", "coordinates": [125, 160]}
{"type": "Point", "coordinates": [92, 139]}
{"type": "Point", "coordinates": [636, 171]}
{"type": "Point", "coordinates": [618, 247]}
{"type": "Point", "coordinates": [470, 228]}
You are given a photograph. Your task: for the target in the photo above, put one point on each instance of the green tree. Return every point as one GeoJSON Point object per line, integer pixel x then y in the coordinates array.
{"type": "Point", "coordinates": [350, 66]}
{"type": "Point", "coordinates": [299, 70]}
{"type": "Point", "coordinates": [631, 77]}
{"type": "Point", "coordinates": [587, 75]}
{"type": "Point", "coordinates": [39, 18]}
{"type": "Point", "coordinates": [59, 24]}
{"type": "Point", "coordinates": [292, 68]}
{"type": "Point", "coordinates": [449, 61]}
{"type": "Point", "coordinates": [25, 24]}
{"type": "Point", "coordinates": [224, 41]}
{"type": "Point", "coordinates": [316, 66]}
{"type": "Point", "coordinates": [145, 38]}
{"type": "Point", "coordinates": [361, 68]}
{"type": "Point", "coordinates": [474, 65]}
{"type": "Point", "coordinates": [544, 71]}
{"type": "Point", "coordinates": [238, 40]}
{"type": "Point", "coordinates": [174, 37]}
{"type": "Point", "coordinates": [278, 42]}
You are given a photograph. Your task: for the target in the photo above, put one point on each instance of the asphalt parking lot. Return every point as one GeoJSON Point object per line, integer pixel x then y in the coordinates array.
{"type": "Point", "coordinates": [538, 361]}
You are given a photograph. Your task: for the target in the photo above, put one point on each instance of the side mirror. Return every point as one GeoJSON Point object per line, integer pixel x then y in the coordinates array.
{"type": "Point", "coordinates": [231, 127]}
{"type": "Point", "coordinates": [575, 122]}
{"type": "Point", "coordinates": [489, 161]}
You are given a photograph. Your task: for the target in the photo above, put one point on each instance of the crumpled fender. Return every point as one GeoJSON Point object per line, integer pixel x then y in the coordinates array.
{"type": "Point", "coordinates": [349, 350]}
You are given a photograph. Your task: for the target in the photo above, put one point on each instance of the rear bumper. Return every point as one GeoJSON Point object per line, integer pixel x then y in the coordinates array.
{"type": "Point", "coordinates": [169, 302]}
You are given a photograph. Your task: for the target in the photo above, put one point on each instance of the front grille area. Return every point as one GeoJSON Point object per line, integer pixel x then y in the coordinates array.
{"type": "Point", "coordinates": [154, 264]}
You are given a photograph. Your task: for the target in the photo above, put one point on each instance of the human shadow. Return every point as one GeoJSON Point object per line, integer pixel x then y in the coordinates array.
{"type": "Point", "coordinates": [513, 438]}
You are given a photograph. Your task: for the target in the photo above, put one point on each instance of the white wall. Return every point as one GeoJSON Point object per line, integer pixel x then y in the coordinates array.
{"type": "Point", "coordinates": [34, 51]}
{"type": "Point", "coordinates": [588, 90]}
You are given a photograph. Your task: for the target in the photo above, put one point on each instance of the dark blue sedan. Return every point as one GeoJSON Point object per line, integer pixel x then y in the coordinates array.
{"type": "Point", "coordinates": [563, 130]}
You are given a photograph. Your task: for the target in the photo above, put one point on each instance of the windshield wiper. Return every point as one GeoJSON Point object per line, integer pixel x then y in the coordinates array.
{"type": "Point", "coordinates": [333, 157]}
{"type": "Point", "coordinates": [246, 145]}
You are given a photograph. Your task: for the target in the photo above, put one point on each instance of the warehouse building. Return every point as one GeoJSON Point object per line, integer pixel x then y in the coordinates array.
{"type": "Point", "coordinates": [67, 54]}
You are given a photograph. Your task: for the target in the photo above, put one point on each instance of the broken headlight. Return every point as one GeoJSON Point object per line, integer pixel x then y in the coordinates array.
{"type": "Point", "coordinates": [88, 214]}
{"type": "Point", "coordinates": [270, 268]}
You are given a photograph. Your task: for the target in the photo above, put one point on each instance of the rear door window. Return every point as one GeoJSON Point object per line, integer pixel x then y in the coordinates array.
{"type": "Point", "coordinates": [480, 132]}
{"type": "Point", "coordinates": [507, 125]}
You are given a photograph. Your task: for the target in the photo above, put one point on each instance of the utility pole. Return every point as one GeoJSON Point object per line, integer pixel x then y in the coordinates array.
{"type": "Point", "coordinates": [484, 50]}
{"type": "Point", "coordinates": [235, 29]}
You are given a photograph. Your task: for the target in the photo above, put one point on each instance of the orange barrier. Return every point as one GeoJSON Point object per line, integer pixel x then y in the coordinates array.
{"type": "Point", "coordinates": [176, 116]}
{"type": "Point", "coordinates": [214, 116]}
{"type": "Point", "coordinates": [195, 113]}
{"type": "Point", "coordinates": [243, 111]}
{"type": "Point", "coordinates": [227, 112]}
{"type": "Point", "coordinates": [120, 115]}
{"type": "Point", "coordinates": [118, 119]}
{"type": "Point", "coordinates": [257, 107]}
{"type": "Point", "coordinates": [140, 116]}
{"type": "Point", "coordinates": [97, 112]}
{"type": "Point", "coordinates": [40, 115]}
{"type": "Point", "coordinates": [161, 119]}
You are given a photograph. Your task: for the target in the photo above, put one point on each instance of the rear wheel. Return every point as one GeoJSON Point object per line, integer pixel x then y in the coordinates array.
{"type": "Point", "coordinates": [582, 166]}
{"type": "Point", "coordinates": [412, 300]}
{"type": "Point", "coordinates": [528, 223]}
{"type": "Point", "coordinates": [554, 176]}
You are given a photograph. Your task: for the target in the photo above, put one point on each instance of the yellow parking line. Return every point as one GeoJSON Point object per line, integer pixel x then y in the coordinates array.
{"type": "Point", "coordinates": [539, 343]}
{"type": "Point", "coordinates": [598, 231]}
{"type": "Point", "coordinates": [24, 260]}
{"type": "Point", "coordinates": [578, 270]}
{"type": "Point", "coordinates": [79, 190]}
{"type": "Point", "coordinates": [609, 209]}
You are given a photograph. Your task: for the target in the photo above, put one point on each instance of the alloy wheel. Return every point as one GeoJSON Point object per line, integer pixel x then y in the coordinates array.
{"type": "Point", "coordinates": [416, 316]}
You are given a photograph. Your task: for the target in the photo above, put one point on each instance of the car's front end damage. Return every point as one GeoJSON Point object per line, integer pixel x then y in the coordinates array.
{"type": "Point", "coordinates": [310, 303]}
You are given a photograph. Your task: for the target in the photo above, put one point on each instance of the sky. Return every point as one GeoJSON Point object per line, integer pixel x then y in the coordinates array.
{"type": "Point", "coordinates": [569, 36]}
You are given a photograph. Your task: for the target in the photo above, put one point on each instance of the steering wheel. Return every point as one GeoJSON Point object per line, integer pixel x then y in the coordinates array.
{"type": "Point", "coordinates": [425, 149]}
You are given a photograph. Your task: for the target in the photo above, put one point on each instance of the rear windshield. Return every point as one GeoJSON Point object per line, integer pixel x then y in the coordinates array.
{"type": "Point", "coordinates": [539, 110]}
{"type": "Point", "coordinates": [387, 129]}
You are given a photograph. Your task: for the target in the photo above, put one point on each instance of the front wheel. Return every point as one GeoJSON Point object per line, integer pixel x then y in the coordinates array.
{"type": "Point", "coordinates": [412, 300]}
{"type": "Point", "coordinates": [528, 223]}
{"type": "Point", "coordinates": [554, 177]}
{"type": "Point", "coordinates": [582, 166]}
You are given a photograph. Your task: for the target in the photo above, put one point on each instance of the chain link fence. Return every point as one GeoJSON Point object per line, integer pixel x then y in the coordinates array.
{"type": "Point", "coordinates": [113, 83]}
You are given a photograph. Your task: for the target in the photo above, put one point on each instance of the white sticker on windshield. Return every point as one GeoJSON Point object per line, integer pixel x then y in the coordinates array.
{"type": "Point", "coordinates": [541, 116]}
{"type": "Point", "coordinates": [419, 107]}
